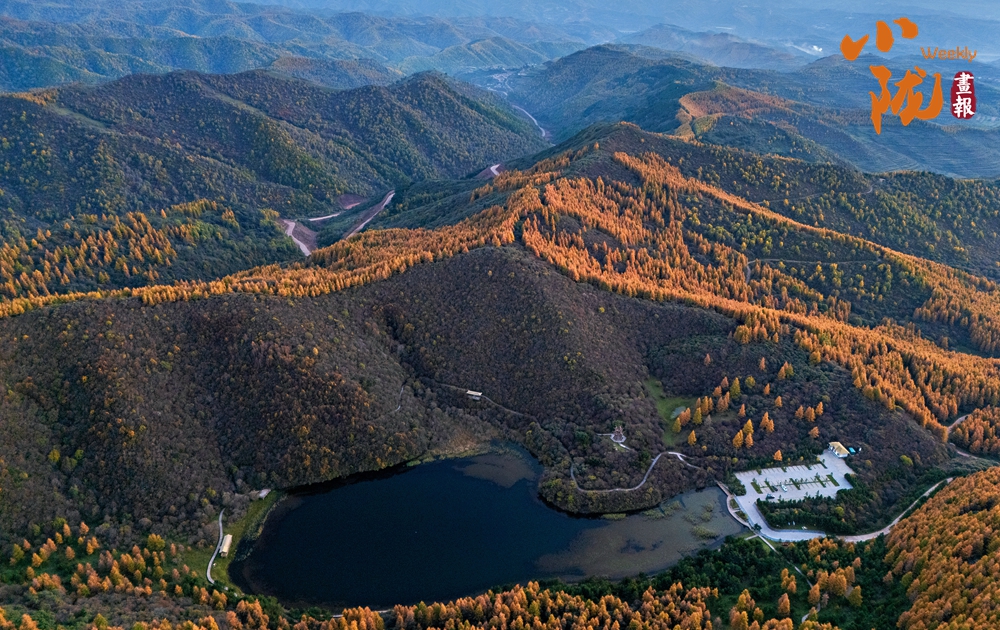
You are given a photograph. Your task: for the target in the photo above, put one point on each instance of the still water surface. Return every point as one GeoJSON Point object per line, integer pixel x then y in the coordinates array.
{"type": "Point", "coordinates": [452, 528]}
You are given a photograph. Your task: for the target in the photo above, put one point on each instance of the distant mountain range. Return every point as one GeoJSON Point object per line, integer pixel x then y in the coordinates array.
{"type": "Point", "coordinates": [722, 49]}
{"type": "Point", "coordinates": [59, 43]}
{"type": "Point", "coordinates": [62, 41]}
{"type": "Point", "coordinates": [820, 112]}
{"type": "Point", "coordinates": [792, 26]}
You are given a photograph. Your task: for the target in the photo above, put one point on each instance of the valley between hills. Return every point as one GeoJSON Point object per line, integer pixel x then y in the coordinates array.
{"type": "Point", "coordinates": [212, 285]}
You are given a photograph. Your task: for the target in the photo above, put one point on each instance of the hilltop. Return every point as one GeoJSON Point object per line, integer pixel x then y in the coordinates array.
{"type": "Point", "coordinates": [60, 42]}
{"type": "Point", "coordinates": [819, 112]}
{"type": "Point", "coordinates": [565, 269]}
{"type": "Point", "coordinates": [604, 282]}
{"type": "Point", "coordinates": [156, 178]}
{"type": "Point", "coordinates": [340, 74]}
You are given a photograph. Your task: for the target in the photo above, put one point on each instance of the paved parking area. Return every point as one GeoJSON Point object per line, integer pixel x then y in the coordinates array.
{"type": "Point", "coordinates": [795, 483]}
{"type": "Point", "coordinates": [776, 484]}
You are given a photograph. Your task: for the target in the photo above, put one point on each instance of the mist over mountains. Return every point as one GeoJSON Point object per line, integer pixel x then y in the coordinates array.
{"type": "Point", "coordinates": [61, 41]}
{"type": "Point", "coordinates": [789, 24]}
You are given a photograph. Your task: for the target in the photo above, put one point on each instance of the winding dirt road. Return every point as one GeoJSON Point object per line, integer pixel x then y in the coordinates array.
{"type": "Point", "coordinates": [952, 426]}
{"type": "Point", "coordinates": [957, 422]}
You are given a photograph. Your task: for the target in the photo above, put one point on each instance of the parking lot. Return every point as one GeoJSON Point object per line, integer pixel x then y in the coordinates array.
{"type": "Point", "coordinates": [794, 483]}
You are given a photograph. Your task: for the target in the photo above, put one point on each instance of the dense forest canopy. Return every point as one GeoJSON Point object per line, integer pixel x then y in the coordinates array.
{"type": "Point", "coordinates": [159, 178]}
{"type": "Point", "coordinates": [732, 296]}
{"type": "Point", "coordinates": [830, 336]}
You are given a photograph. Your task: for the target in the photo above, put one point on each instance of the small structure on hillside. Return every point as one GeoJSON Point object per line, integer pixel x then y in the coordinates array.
{"type": "Point", "coordinates": [227, 542]}
{"type": "Point", "coordinates": [838, 449]}
{"type": "Point", "coordinates": [474, 395]}
{"type": "Point", "coordinates": [618, 435]}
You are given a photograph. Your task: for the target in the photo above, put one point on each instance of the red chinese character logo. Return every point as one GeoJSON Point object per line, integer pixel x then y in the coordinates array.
{"type": "Point", "coordinates": [905, 94]}
{"type": "Point", "coordinates": [963, 95]}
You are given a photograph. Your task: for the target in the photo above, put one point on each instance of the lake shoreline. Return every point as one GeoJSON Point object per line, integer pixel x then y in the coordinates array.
{"type": "Point", "coordinates": [383, 538]}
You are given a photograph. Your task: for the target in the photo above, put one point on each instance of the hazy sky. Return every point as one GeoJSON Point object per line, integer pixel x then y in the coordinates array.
{"type": "Point", "coordinates": [802, 25]}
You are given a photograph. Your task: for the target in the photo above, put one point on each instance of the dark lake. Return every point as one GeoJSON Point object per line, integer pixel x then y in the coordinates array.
{"type": "Point", "coordinates": [457, 527]}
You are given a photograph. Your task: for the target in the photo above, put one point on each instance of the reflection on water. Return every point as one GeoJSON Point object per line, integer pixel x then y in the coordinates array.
{"type": "Point", "coordinates": [645, 543]}
{"type": "Point", "coordinates": [503, 469]}
{"type": "Point", "coordinates": [457, 527]}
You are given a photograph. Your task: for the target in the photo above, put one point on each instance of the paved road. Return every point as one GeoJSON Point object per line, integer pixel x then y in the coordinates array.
{"type": "Point", "coordinates": [289, 229]}
{"type": "Point", "coordinates": [545, 133]}
{"type": "Point", "coordinates": [371, 214]}
{"type": "Point", "coordinates": [493, 169]}
{"type": "Point", "coordinates": [680, 456]}
{"type": "Point", "coordinates": [885, 530]}
{"type": "Point", "coordinates": [757, 519]}
{"type": "Point", "coordinates": [208, 571]}
{"type": "Point", "coordinates": [792, 535]}
{"type": "Point", "coordinates": [329, 216]}
{"type": "Point", "coordinates": [572, 475]}
{"type": "Point", "coordinates": [766, 532]}
{"type": "Point", "coordinates": [730, 499]}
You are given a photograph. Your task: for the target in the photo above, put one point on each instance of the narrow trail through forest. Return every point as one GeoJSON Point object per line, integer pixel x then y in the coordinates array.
{"type": "Point", "coordinates": [951, 427]}
{"type": "Point", "coordinates": [806, 262]}
{"type": "Point", "coordinates": [218, 546]}
{"type": "Point", "coordinates": [572, 475]}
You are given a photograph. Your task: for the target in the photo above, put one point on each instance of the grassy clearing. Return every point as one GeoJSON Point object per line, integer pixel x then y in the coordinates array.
{"type": "Point", "coordinates": [198, 559]}
{"type": "Point", "coordinates": [665, 406]}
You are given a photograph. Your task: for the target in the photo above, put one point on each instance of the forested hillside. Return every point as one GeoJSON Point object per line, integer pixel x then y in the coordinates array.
{"type": "Point", "coordinates": [588, 277]}
{"type": "Point", "coordinates": [715, 262]}
{"type": "Point", "coordinates": [184, 176]}
{"type": "Point", "coordinates": [784, 336]}
{"type": "Point", "coordinates": [340, 74]}
{"type": "Point", "coordinates": [61, 41]}
{"type": "Point", "coordinates": [784, 113]}
{"type": "Point", "coordinates": [577, 289]}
